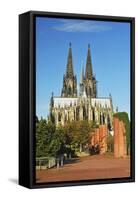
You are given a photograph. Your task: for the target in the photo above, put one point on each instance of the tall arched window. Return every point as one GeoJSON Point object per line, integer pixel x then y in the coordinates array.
{"type": "Point", "coordinates": [93, 115]}
{"type": "Point", "coordinates": [77, 113]}
{"type": "Point", "coordinates": [59, 117]}
{"type": "Point", "coordinates": [69, 90]}
{"type": "Point", "coordinates": [100, 118]}
{"type": "Point", "coordinates": [103, 118]}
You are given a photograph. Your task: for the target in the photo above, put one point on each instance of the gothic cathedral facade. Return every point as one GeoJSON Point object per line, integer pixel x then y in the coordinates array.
{"type": "Point", "coordinates": [84, 104]}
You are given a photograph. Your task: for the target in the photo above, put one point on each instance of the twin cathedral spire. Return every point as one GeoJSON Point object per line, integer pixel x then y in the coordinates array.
{"type": "Point", "coordinates": [88, 81]}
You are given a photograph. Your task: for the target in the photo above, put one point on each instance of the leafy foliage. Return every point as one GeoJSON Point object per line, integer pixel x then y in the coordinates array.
{"type": "Point", "coordinates": [77, 134]}
{"type": "Point", "coordinates": [52, 141]}
{"type": "Point", "coordinates": [124, 117]}
{"type": "Point", "coordinates": [110, 143]}
{"type": "Point", "coordinates": [48, 139]}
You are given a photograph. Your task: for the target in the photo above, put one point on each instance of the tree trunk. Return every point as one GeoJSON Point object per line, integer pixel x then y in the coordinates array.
{"type": "Point", "coordinates": [80, 148]}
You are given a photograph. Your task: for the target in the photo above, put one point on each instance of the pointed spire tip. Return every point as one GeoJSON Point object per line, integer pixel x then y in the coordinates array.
{"type": "Point", "coordinates": [70, 44]}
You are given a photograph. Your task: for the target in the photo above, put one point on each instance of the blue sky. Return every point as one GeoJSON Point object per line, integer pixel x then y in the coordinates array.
{"type": "Point", "coordinates": [110, 51]}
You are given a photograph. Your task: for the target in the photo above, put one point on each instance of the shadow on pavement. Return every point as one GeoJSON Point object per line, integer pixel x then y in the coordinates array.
{"type": "Point", "coordinates": [72, 161]}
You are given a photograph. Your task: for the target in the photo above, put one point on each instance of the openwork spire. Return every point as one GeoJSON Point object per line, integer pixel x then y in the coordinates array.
{"type": "Point", "coordinates": [88, 72]}
{"type": "Point", "coordinates": [82, 75]}
{"type": "Point", "coordinates": [69, 69]}
{"type": "Point", "coordinates": [69, 80]}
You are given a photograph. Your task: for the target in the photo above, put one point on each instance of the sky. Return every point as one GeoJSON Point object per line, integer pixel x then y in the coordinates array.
{"type": "Point", "coordinates": [110, 53]}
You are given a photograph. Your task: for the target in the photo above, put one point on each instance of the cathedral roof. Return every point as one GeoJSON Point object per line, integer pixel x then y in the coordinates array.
{"type": "Point", "coordinates": [62, 102]}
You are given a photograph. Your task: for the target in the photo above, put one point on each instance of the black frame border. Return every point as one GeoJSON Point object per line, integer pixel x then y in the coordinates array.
{"type": "Point", "coordinates": [27, 21]}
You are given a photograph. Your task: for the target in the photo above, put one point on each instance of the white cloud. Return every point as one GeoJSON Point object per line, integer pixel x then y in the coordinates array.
{"type": "Point", "coordinates": [81, 26]}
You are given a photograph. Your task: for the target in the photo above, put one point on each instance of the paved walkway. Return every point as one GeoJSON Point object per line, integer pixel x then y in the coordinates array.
{"type": "Point", "coordinates": [90, 167]}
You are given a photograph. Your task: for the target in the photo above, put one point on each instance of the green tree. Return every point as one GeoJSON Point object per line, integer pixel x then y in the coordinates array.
{"type": "Point", "coordinates": [44, 134]}
{"type": "Point", "coordinates": [48, 139]}
{"type": "Point", "coordinates": [124, 117]}
{"type": "Point", "coordinates": [57, 143]}
{"type": "Point", "coordinates": [52, 140]}
{"type": "Point", "coordinates": [77, 134]}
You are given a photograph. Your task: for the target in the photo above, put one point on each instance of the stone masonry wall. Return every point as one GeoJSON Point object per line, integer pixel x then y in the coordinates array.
{"type": "Point", "coordinates": [99, 138]}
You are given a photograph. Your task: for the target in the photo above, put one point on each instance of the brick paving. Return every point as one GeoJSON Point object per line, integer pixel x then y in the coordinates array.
{"type": "Point", "coordinates": [84, 168]}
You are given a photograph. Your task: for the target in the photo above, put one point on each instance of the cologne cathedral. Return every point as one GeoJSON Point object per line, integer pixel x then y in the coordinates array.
{"type": "Point", "coordinates": [73, 105]}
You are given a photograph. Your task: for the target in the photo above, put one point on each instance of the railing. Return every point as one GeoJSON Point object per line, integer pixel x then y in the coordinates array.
{"type": "Point", "coordinates": [45, 162]}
